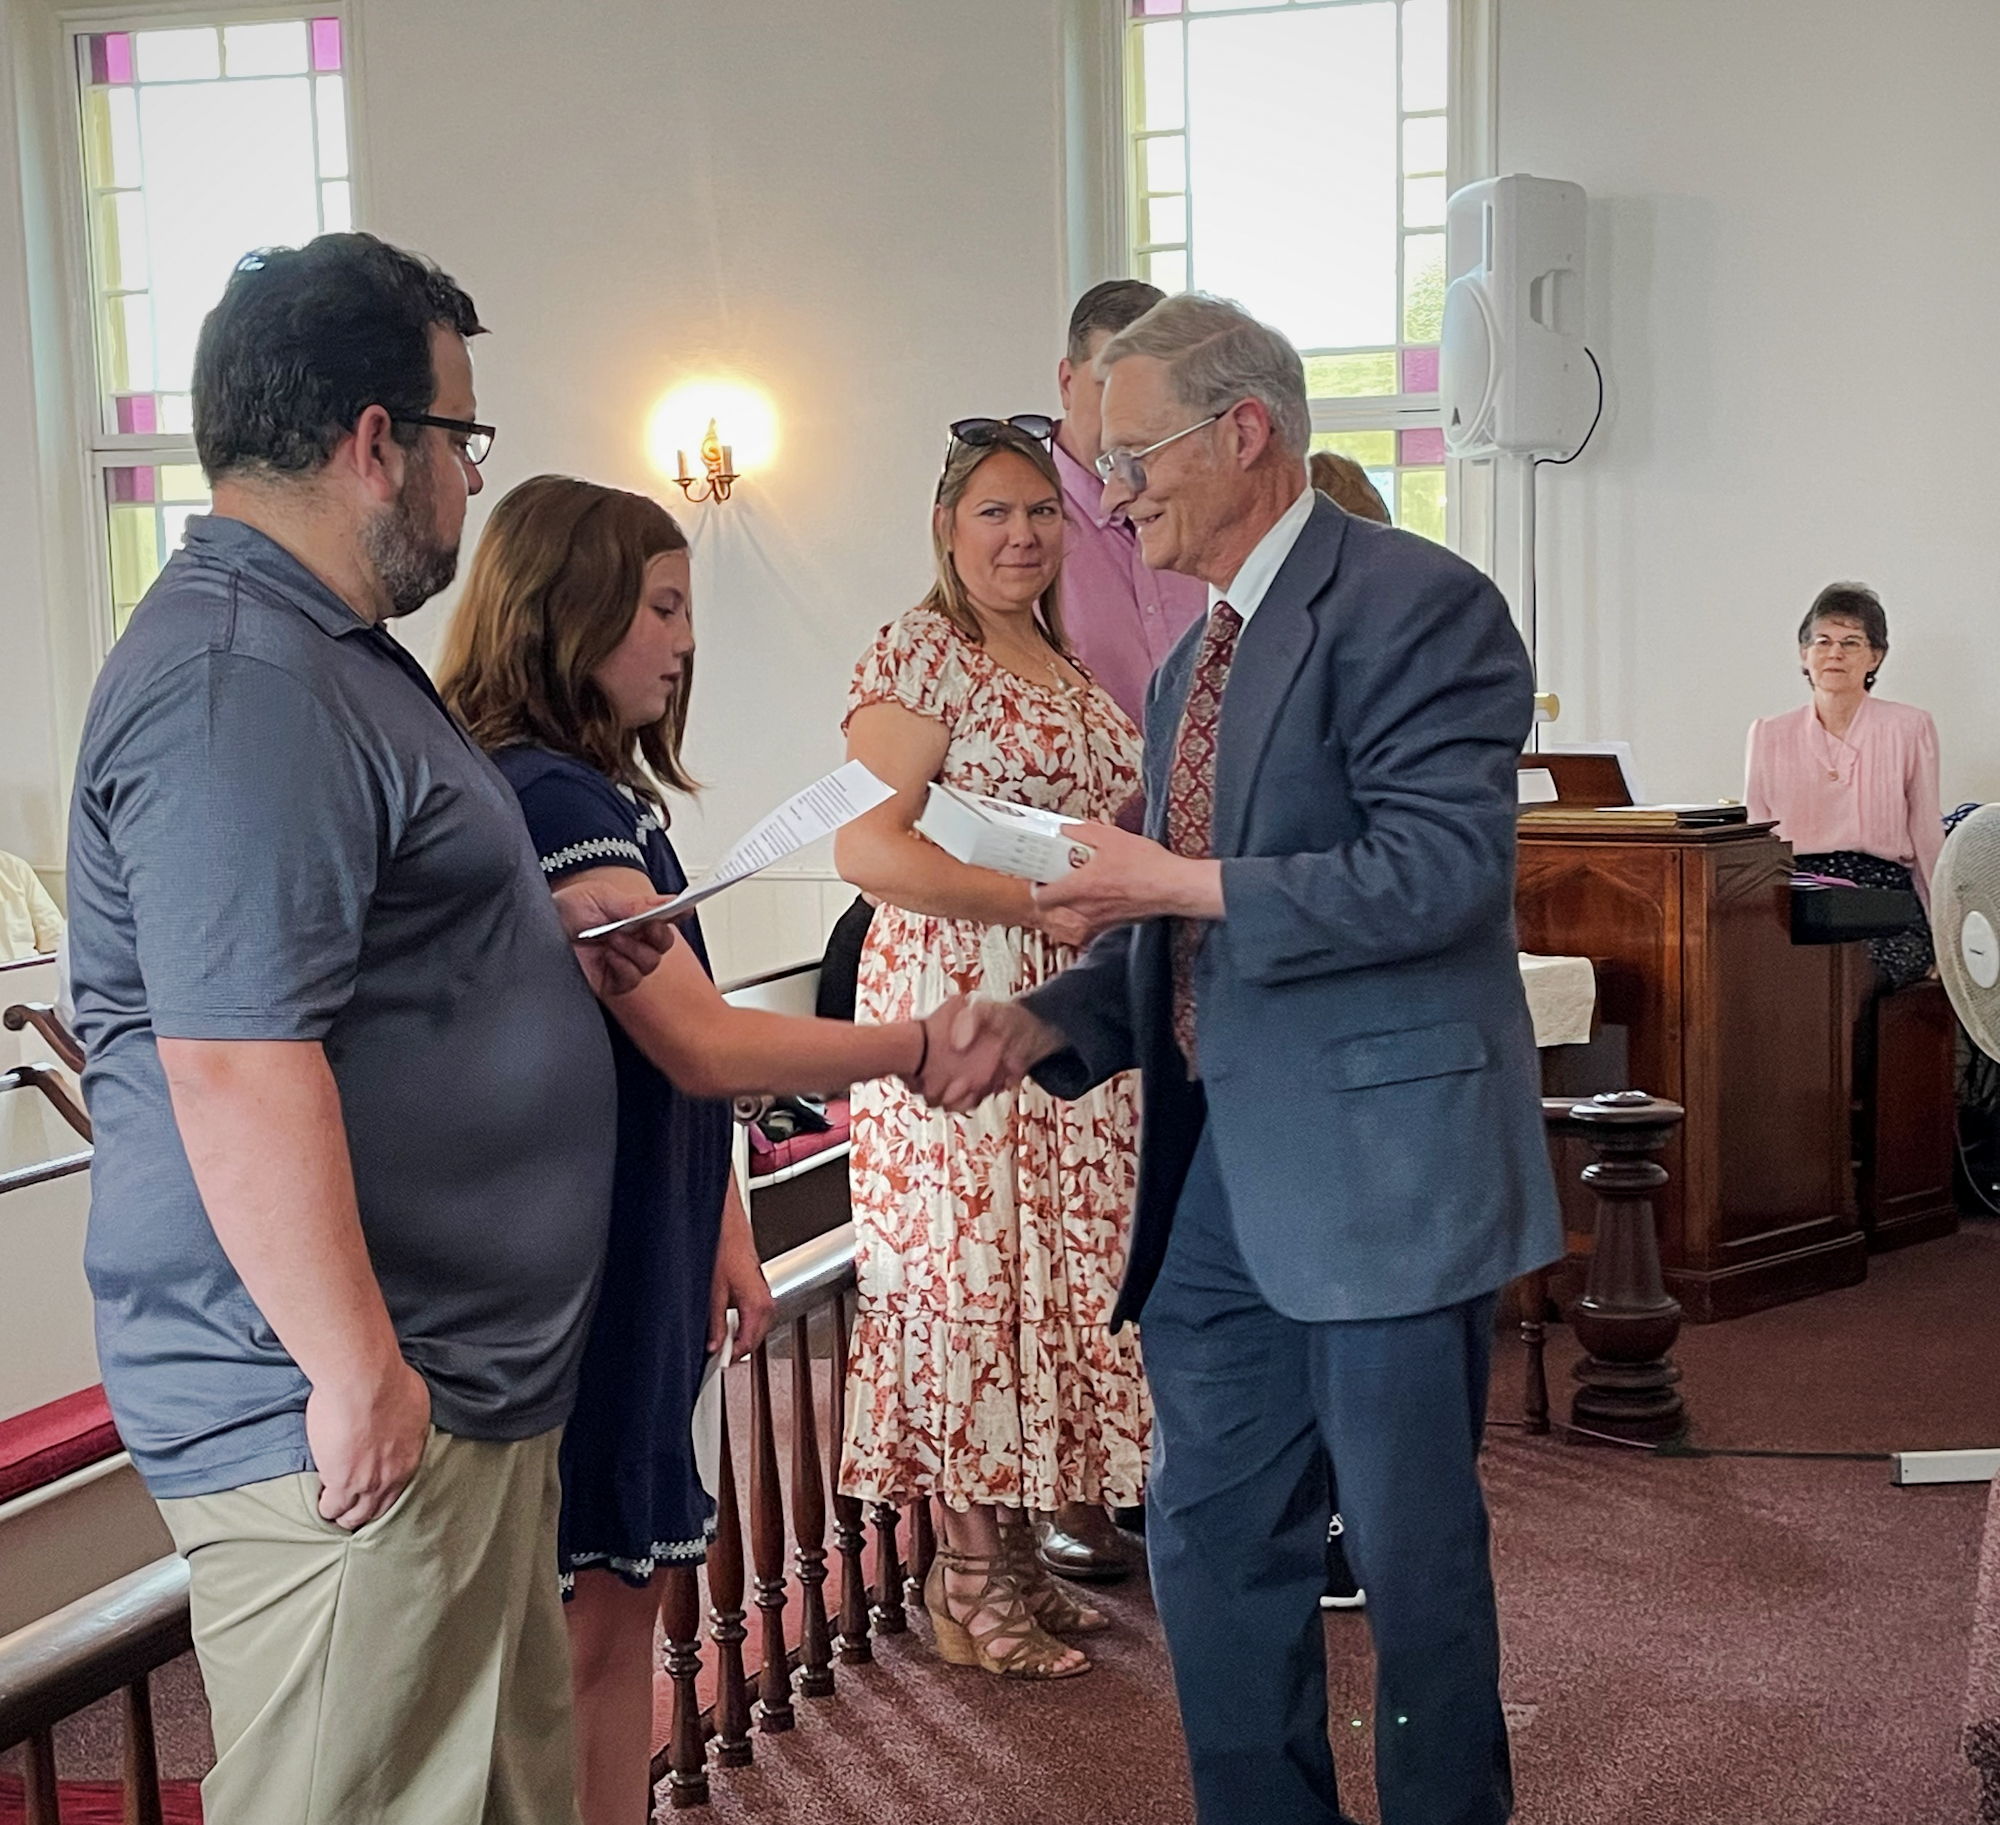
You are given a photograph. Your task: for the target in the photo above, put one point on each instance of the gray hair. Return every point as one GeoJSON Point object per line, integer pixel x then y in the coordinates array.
{"type": "Point", "coordinates": [1216, 354]}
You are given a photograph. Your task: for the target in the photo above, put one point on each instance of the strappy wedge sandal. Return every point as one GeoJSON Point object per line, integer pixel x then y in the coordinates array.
{"type": "Point", "coordinates": [1010, 1642]}
{"type": "Point", "coordinates": [1055, 1608]}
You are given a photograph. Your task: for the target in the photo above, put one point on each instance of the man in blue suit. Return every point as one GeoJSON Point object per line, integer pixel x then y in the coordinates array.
{"type": "Point", "coordinates": [1310, 956]}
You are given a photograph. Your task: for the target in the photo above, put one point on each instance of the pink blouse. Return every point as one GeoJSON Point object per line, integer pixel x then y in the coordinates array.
{"type": "Point", "coordinates": [1874, 789]}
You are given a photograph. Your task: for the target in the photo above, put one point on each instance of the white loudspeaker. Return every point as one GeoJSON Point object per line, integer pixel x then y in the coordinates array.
{"type": "Point", "coordinates": [1511, 366]}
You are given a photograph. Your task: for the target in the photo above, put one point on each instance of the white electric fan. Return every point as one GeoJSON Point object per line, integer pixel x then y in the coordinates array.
{"type": "Point", "coordinates": [1965, 925]}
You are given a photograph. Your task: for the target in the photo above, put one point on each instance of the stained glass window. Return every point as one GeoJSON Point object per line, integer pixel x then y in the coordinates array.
{"type": "Point", "coordinates": [1291, 154]}
{"type": "Point", "coordinates": [201, 142]}
{"type": "Point", "coordinates": [146, 505]}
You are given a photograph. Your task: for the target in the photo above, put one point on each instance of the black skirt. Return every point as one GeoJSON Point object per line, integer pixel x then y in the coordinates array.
{"type": "Point", "coordinates": [1900, 958]}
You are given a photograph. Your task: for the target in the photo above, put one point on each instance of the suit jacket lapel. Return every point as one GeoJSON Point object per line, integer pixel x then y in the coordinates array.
{"type": "Point", "coordinates": [1268, 655]}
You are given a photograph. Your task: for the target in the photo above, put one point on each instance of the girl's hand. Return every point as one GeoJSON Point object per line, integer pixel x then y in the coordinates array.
{"type": "Point", "coordinates": [738, 1281]}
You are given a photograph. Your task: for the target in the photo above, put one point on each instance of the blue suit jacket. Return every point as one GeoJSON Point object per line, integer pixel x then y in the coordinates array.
{"type": "Point", "coordinates": [1366, 1055]}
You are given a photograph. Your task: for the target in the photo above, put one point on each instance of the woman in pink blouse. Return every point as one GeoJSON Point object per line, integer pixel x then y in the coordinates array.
{"type": "Point", "coordinates": [1852, 780]}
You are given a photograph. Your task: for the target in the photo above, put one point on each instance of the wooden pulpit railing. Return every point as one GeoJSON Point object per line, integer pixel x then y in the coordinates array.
{"type": "Point", "coordinates": [109, 1642]}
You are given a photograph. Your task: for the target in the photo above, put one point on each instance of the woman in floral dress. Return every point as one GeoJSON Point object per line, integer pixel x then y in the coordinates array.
{"type": "Point", "coordinates": [989, 1246]}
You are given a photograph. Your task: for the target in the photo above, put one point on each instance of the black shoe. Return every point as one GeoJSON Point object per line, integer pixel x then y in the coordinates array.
{"type": "Point", "coordinates": [1342, 1593]}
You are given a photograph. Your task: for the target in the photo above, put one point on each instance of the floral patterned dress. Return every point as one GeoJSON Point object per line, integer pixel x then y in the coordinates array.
{"type": "Point", "coordinates": [989, 1246]}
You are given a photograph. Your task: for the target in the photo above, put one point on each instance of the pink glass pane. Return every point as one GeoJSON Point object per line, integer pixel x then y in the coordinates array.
{"type": "Point", "coordinates": [1420, 370]}
{"type": "Point", "coordinates": [1144, 8]}
{"type": "Point", "coordinates": [137, 412]}
{"type": "Point", "coordinates": [127, 485]}
{"type": "Point", "coordinates": [326, 44]}
{"type": "Point", "coordinates": [110, 57]}
{"type": "Point", "coordinates": [1425, 446]}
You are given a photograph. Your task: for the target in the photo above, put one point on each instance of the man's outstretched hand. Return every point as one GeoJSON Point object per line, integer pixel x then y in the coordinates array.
{"type": "Point", "coordinates": [618, 964]}
{"type": "Point", "coordinates": [978, 1048]}
{"type": "Point", "coordinates": [1125, 879]}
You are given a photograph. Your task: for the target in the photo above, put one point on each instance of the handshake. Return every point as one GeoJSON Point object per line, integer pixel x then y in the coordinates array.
{"type": "Point", "coordinates": [973, 1049]}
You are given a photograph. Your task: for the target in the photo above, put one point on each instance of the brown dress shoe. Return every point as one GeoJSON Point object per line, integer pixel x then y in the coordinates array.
{"type": "Point", "coordinates": [1078, 1541]}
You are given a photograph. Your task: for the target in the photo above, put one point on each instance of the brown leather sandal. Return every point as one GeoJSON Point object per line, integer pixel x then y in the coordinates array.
{"type": "Point", "coordinates": [1011, 1642]}
{"type": "Point", "coordinates": [1058, 1610]}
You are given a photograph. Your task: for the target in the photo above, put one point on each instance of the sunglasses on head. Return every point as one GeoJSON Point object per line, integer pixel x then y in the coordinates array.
{"type": "Point", "coordinates": [982, 431]}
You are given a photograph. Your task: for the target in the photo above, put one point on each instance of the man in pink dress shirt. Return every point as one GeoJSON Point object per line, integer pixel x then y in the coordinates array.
{"type": "Point", "coordinates": [1122, 617]}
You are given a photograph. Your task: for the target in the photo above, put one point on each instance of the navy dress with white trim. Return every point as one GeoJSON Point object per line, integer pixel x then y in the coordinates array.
{"type": "Point", "coordinates": [631, 1496]}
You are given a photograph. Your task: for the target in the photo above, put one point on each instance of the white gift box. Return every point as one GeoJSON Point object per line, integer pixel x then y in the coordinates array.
{"type": "Point", "coordinates": [990, 833]}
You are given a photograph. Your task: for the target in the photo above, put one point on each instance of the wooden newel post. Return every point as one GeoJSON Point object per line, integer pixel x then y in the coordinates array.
{"type": "Point", "coordinates": [1625, 1321]}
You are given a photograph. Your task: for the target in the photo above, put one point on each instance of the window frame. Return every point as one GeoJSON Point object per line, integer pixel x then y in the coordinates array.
{"type": "Point", "coordinates": [97, 449]}
{"type": "Point", "coordinates": [1470, 154]}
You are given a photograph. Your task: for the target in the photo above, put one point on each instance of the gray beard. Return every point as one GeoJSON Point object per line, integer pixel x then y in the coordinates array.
{"type": "Point", "coordinates": [410, 565]}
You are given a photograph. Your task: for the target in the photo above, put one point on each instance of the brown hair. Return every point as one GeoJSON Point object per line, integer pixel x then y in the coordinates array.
{"type": "Point", "coordinates": [947, 595]}
{"type": "Point", "coordinates": [1347, 482]}
{"type": "Point", "coordinates": [1856, 604]}
{"type": "Point", "coordinates": [553, 589]}
{"type": "Point", "coordinates": [1107, 310]}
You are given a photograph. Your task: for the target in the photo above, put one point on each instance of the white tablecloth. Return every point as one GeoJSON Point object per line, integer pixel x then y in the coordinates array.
{"type": "Point", "coordinates": [1562, 995]}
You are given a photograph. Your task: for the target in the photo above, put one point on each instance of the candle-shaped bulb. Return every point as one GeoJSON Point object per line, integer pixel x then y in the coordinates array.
{"type": "Point", "coordinates": [711, 451]}
{"type": "Point", "coordinates": [728, 460]}
{"type": "Point", "coordinates": [683, 456]}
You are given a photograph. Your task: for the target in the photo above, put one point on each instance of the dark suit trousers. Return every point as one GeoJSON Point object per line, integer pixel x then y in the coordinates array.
{"type": "Point", "coordinates": [1251, 1409]}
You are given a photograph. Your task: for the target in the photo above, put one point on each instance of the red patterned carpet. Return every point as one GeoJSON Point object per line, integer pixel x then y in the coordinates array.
{"type": "Point", "coordinates": [1689, 1641]}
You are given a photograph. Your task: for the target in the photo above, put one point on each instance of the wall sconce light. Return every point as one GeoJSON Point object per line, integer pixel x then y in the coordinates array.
{"type": "Point", "coordinates": [718, 464]}
{"type": "Point", "coordinates": [697, 460]}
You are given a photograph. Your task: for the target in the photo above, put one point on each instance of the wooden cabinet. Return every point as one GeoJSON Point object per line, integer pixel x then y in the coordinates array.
{"type": "Point", "coordinates": [1721, 1013]}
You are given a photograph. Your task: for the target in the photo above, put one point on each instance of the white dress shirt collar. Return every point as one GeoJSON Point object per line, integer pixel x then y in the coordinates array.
{"type": "Point", "coordinates": [1260, 569]}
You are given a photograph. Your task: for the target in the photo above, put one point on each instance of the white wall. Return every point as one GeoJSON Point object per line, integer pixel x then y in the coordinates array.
{"type": "Point", "coordinates": [862, 208]}
{"type": "Point", "coordinates": [1792, 268]}
{"type": "Point", "coordinates": [857, 207]}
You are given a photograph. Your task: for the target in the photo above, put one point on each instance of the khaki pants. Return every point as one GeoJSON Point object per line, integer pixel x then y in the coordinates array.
{"type": "Point", "coordinates": [413, 1673]}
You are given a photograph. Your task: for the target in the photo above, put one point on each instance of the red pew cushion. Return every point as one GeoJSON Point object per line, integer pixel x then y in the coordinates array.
{"type": "Point", "coordinates": [48, 1442]}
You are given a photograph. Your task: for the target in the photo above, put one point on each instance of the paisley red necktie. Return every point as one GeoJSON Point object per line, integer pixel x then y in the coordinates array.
{"type": "Point", "coordinates": [1191, 797]}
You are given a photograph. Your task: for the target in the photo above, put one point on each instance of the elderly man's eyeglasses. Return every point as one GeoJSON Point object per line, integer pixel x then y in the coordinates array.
{"type": "Point", "coordinates": [1125, 465]}
{"type": "Point", "coordinates": [473, 441]}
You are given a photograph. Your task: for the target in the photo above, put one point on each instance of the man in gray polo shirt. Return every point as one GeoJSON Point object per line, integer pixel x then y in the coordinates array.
{"type": "Point", "coordinates": [353, 1096]}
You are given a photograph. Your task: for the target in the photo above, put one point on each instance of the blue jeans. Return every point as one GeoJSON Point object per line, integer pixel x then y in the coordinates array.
{"type": "Point", "coordinates": [1252, 1409]}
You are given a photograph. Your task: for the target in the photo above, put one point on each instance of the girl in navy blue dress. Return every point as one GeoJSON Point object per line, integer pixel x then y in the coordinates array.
{"type": "Point", "coordinates": [571, 660]}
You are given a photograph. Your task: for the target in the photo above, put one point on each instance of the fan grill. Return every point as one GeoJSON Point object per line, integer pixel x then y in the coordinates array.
{"type": "Point", "coordinates": [1965, 915]}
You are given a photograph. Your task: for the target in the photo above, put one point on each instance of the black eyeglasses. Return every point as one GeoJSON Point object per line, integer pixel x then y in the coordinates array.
{"type": "Point", "coordinates": [981, 431]}
{"type": "Point", "coordinates": [474, 441]}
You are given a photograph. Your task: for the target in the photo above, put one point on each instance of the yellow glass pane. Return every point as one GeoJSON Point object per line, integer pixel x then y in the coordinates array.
{"type": "Point", "coordinates": [1421, 503]}
{"type": "Point", "coordinates": [182, 482]}
{"type": "Point", "coordinates": [1157, 91]}
{"type": "Point", "coordinates": [117, 359]}
{"type": "Point", "coordinates": [121, 618]}
{"type": "Point", "coordinates": [1423, 287]}
{"type": "Point", "coordinates": [135, 552]}
{"type": "Point", "coordinates": [97, 137]}
{"type": "Point", "coordinates": [121, 240]}
{"type": "Point", "coordinates": [1371, 449]}
{"type": "Point", "coordinates": [1351, 376]}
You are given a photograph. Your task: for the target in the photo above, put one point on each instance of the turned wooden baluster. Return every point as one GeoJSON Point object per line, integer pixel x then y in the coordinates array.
{"type": "Point", "coordinates": [767, 1549]}
{"type": "Point", "coordinates": [680, 1615]}
{"type": "Point", "coordinates": [923, 1549]}
{"type": "Point", "coordinates": [887, 1609]}
{"type": "Point", "coordinates": [852, 1641]}
{"type": "Point", "coordinates": [1535, 1334]}
{"type": "Point", "coordinates": [1625, 1319]}
{"type": "Point", "coordinates": [809, 1520]}
{"type": "Point", "coordinates": [142, 1757]}
{"type": "Point", "coordinates": [725, 1614]}
{"type": "Point", "coordinates": [39, 1770]}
